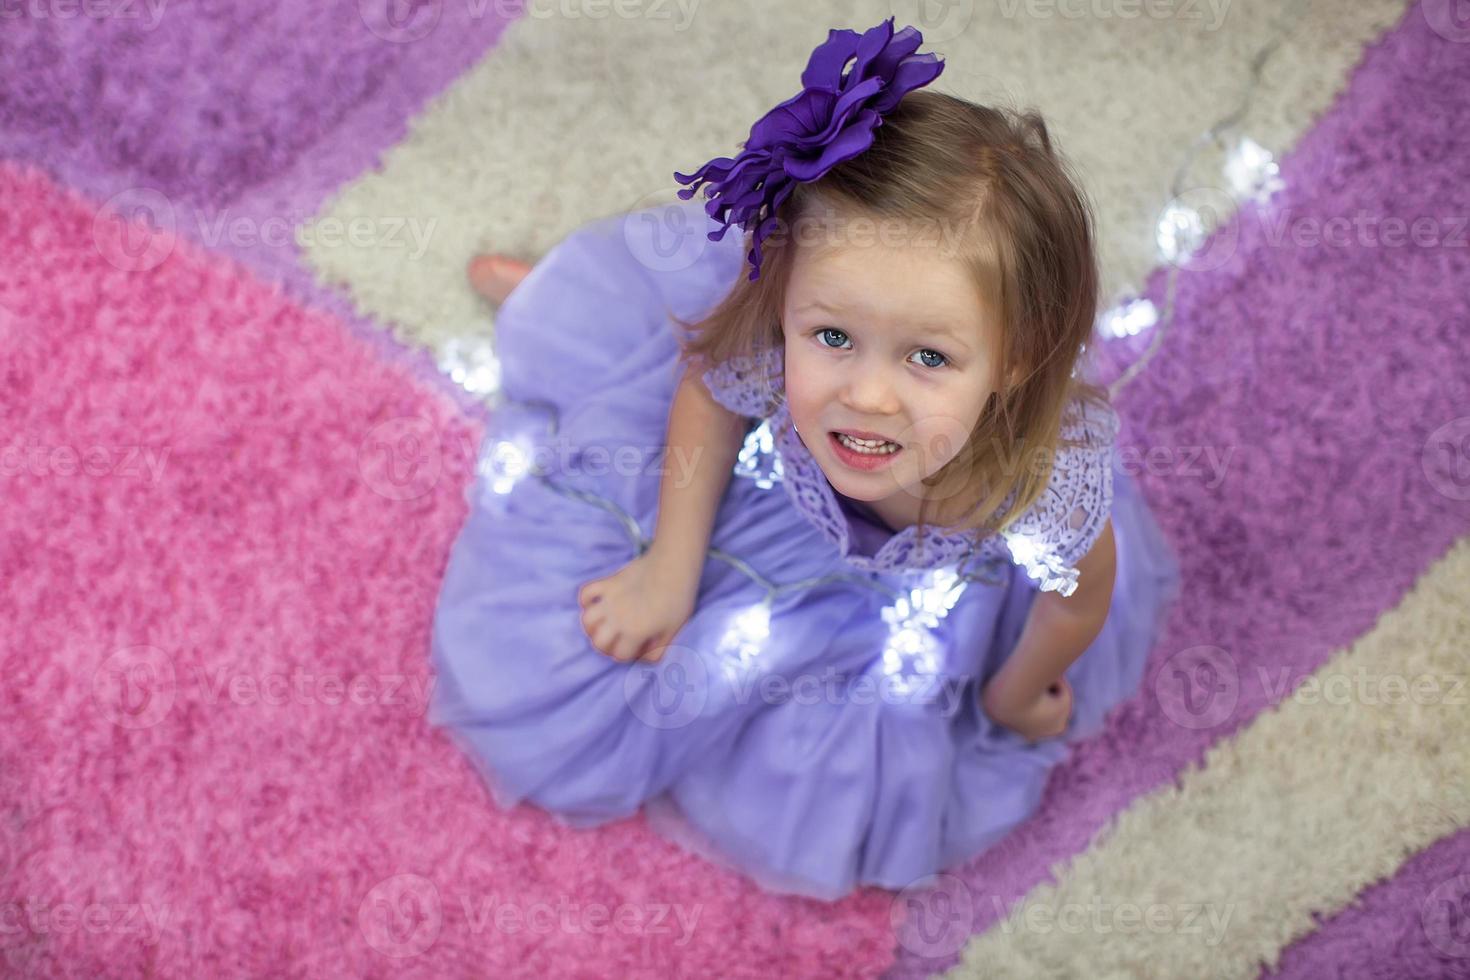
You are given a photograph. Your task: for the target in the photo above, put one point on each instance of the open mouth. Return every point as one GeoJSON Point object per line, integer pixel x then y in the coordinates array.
{"type": "Point", "coordinates": [863, 454]}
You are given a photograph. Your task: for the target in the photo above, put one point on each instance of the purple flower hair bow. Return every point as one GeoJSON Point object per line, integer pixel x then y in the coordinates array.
{"type": "Point", "coordinates": [830, 120]}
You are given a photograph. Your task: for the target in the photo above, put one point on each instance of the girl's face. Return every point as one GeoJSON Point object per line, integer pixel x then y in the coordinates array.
{"type": "Point", "coordinates": [892, 341]}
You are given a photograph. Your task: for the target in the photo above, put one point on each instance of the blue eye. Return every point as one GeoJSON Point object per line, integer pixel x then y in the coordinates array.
{"type": "Point", "coordinates": [820, 331]}
{"type": "Point", "coordinates": [825, 330]}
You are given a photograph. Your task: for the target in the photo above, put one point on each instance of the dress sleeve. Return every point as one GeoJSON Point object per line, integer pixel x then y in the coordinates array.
{"type": "Point", "coordinates": [1067, 519]}
{"type": "Point", "coordinates": [749, 385]}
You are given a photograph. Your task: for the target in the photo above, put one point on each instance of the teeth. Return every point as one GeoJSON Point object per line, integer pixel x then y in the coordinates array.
{"type": "Point", "coordinates": [868, 446]}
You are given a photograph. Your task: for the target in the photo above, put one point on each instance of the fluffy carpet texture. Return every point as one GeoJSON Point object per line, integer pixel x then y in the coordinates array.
{"type": "Point", "coordinates": [232, 475]}
{"type": "Point", "coordinates": [555, 129]}
{"type": "Point", "coordinates": [230, 123]}
{"type": "Point", "coordinates": [1330, 380]}
{"type": "Point", "coordinates": [224, 528]}
{"type": "Point", "coordinates": [1327, 791]}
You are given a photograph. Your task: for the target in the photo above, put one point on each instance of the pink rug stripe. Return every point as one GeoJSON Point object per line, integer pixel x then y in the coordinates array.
{"type": "Point", "coordinates": [1324, 371]}
{"type": "Point", "coordinates": [234, 152]}
{"type": "Point", "coordinates": [225, 525]}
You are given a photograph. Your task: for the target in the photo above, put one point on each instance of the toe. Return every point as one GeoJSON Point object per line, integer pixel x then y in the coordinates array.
{"type": "Point", "coordinates": [494, 276]}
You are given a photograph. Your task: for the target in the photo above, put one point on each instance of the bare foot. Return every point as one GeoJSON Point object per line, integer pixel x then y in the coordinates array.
{"type": "Point", "coordinates": [493, 276]}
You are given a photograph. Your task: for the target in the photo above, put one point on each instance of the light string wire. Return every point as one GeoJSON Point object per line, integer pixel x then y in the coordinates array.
{"type": "Point", "coordinates": [991, 571]}
{"type": "Point", "coordinates": [772, 589]}
{"type": "Point", "coordinates": [1291, 14]}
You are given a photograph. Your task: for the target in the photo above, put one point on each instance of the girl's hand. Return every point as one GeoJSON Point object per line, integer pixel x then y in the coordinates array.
{"type": "Point", "coordinates": [1046, 717]}
{"type": "Point", "coordinates": [634, 613]}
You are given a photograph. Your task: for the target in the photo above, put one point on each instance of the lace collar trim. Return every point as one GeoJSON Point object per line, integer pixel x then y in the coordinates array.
{"type": "Point", "coordinates": [813, 494]}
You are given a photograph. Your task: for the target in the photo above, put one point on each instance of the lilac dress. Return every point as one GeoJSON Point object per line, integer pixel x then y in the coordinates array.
{"type": "Point", "coordinates": [815, 724]}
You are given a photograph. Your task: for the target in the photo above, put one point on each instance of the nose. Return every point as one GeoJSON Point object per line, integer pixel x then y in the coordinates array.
{"type": "Point", "coordinates": [870, 394]}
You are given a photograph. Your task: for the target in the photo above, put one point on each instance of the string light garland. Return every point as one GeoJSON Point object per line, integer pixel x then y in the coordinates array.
{"type": "Point", "coordinates": [914, 612]}
{"type": "Point", "coordinates": [1250, 172]}
{"type": "Point", "coordinates": [914, 608]}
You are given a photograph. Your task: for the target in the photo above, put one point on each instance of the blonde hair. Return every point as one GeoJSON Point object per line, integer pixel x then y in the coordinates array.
{"type": "Point", "coordinates": [1026, 236]}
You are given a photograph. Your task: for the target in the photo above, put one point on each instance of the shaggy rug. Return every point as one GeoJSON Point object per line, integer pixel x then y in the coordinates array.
{"type": "Point", "coordinates": [232, 475]}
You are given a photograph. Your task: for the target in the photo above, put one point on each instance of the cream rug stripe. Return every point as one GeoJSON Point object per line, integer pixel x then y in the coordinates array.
{"type": "Point", "coordinates": [571, 119]}
{"type": "Point", "coordinates": [1356, 769]}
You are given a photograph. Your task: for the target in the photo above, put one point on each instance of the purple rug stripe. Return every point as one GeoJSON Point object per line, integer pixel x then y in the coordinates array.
{"type": "Point", "coordinates": [231, 124]}
{"type": "Point", "coordinates": [1327, 369]}
{"type": "Point", "coordinates": [1413, 924]}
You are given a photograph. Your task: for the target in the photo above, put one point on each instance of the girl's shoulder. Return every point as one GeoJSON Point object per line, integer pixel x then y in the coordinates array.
{"type": "Point", "coordinates": [749, 384]}
{"type": "Point", "coordinates": [1060, 527]}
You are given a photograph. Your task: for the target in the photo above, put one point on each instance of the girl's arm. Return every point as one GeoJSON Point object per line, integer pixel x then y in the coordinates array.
{"type": "Point", "coordinates": [1059, 628]}
{"type": "Point", "coordinates": [704, 440]}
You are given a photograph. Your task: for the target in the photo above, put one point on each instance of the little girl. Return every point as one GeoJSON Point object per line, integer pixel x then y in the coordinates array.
{"type": "Point", "coordinates": [808, 542]}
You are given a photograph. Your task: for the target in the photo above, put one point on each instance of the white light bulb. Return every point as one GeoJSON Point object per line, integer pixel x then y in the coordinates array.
{"type": "Point", "coordinates": [745, 637]}
{"type": "Point", "coordinates": [1130, 319]}
{"type": "Point", "coordinates": [758, 459]}
{"type": "Point", "coordinates": [1041, 563]}
{"type": "Point", "coordinates": [1252, 172]}
{"type": "Point", "coordinates": [913, 654]}
{"type": "Point", "coordinates": [505, 462]}
{"type": "Point", "coordinates": [472, 364]}
{"type": "Point", "coordinates": [1179, 232]}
